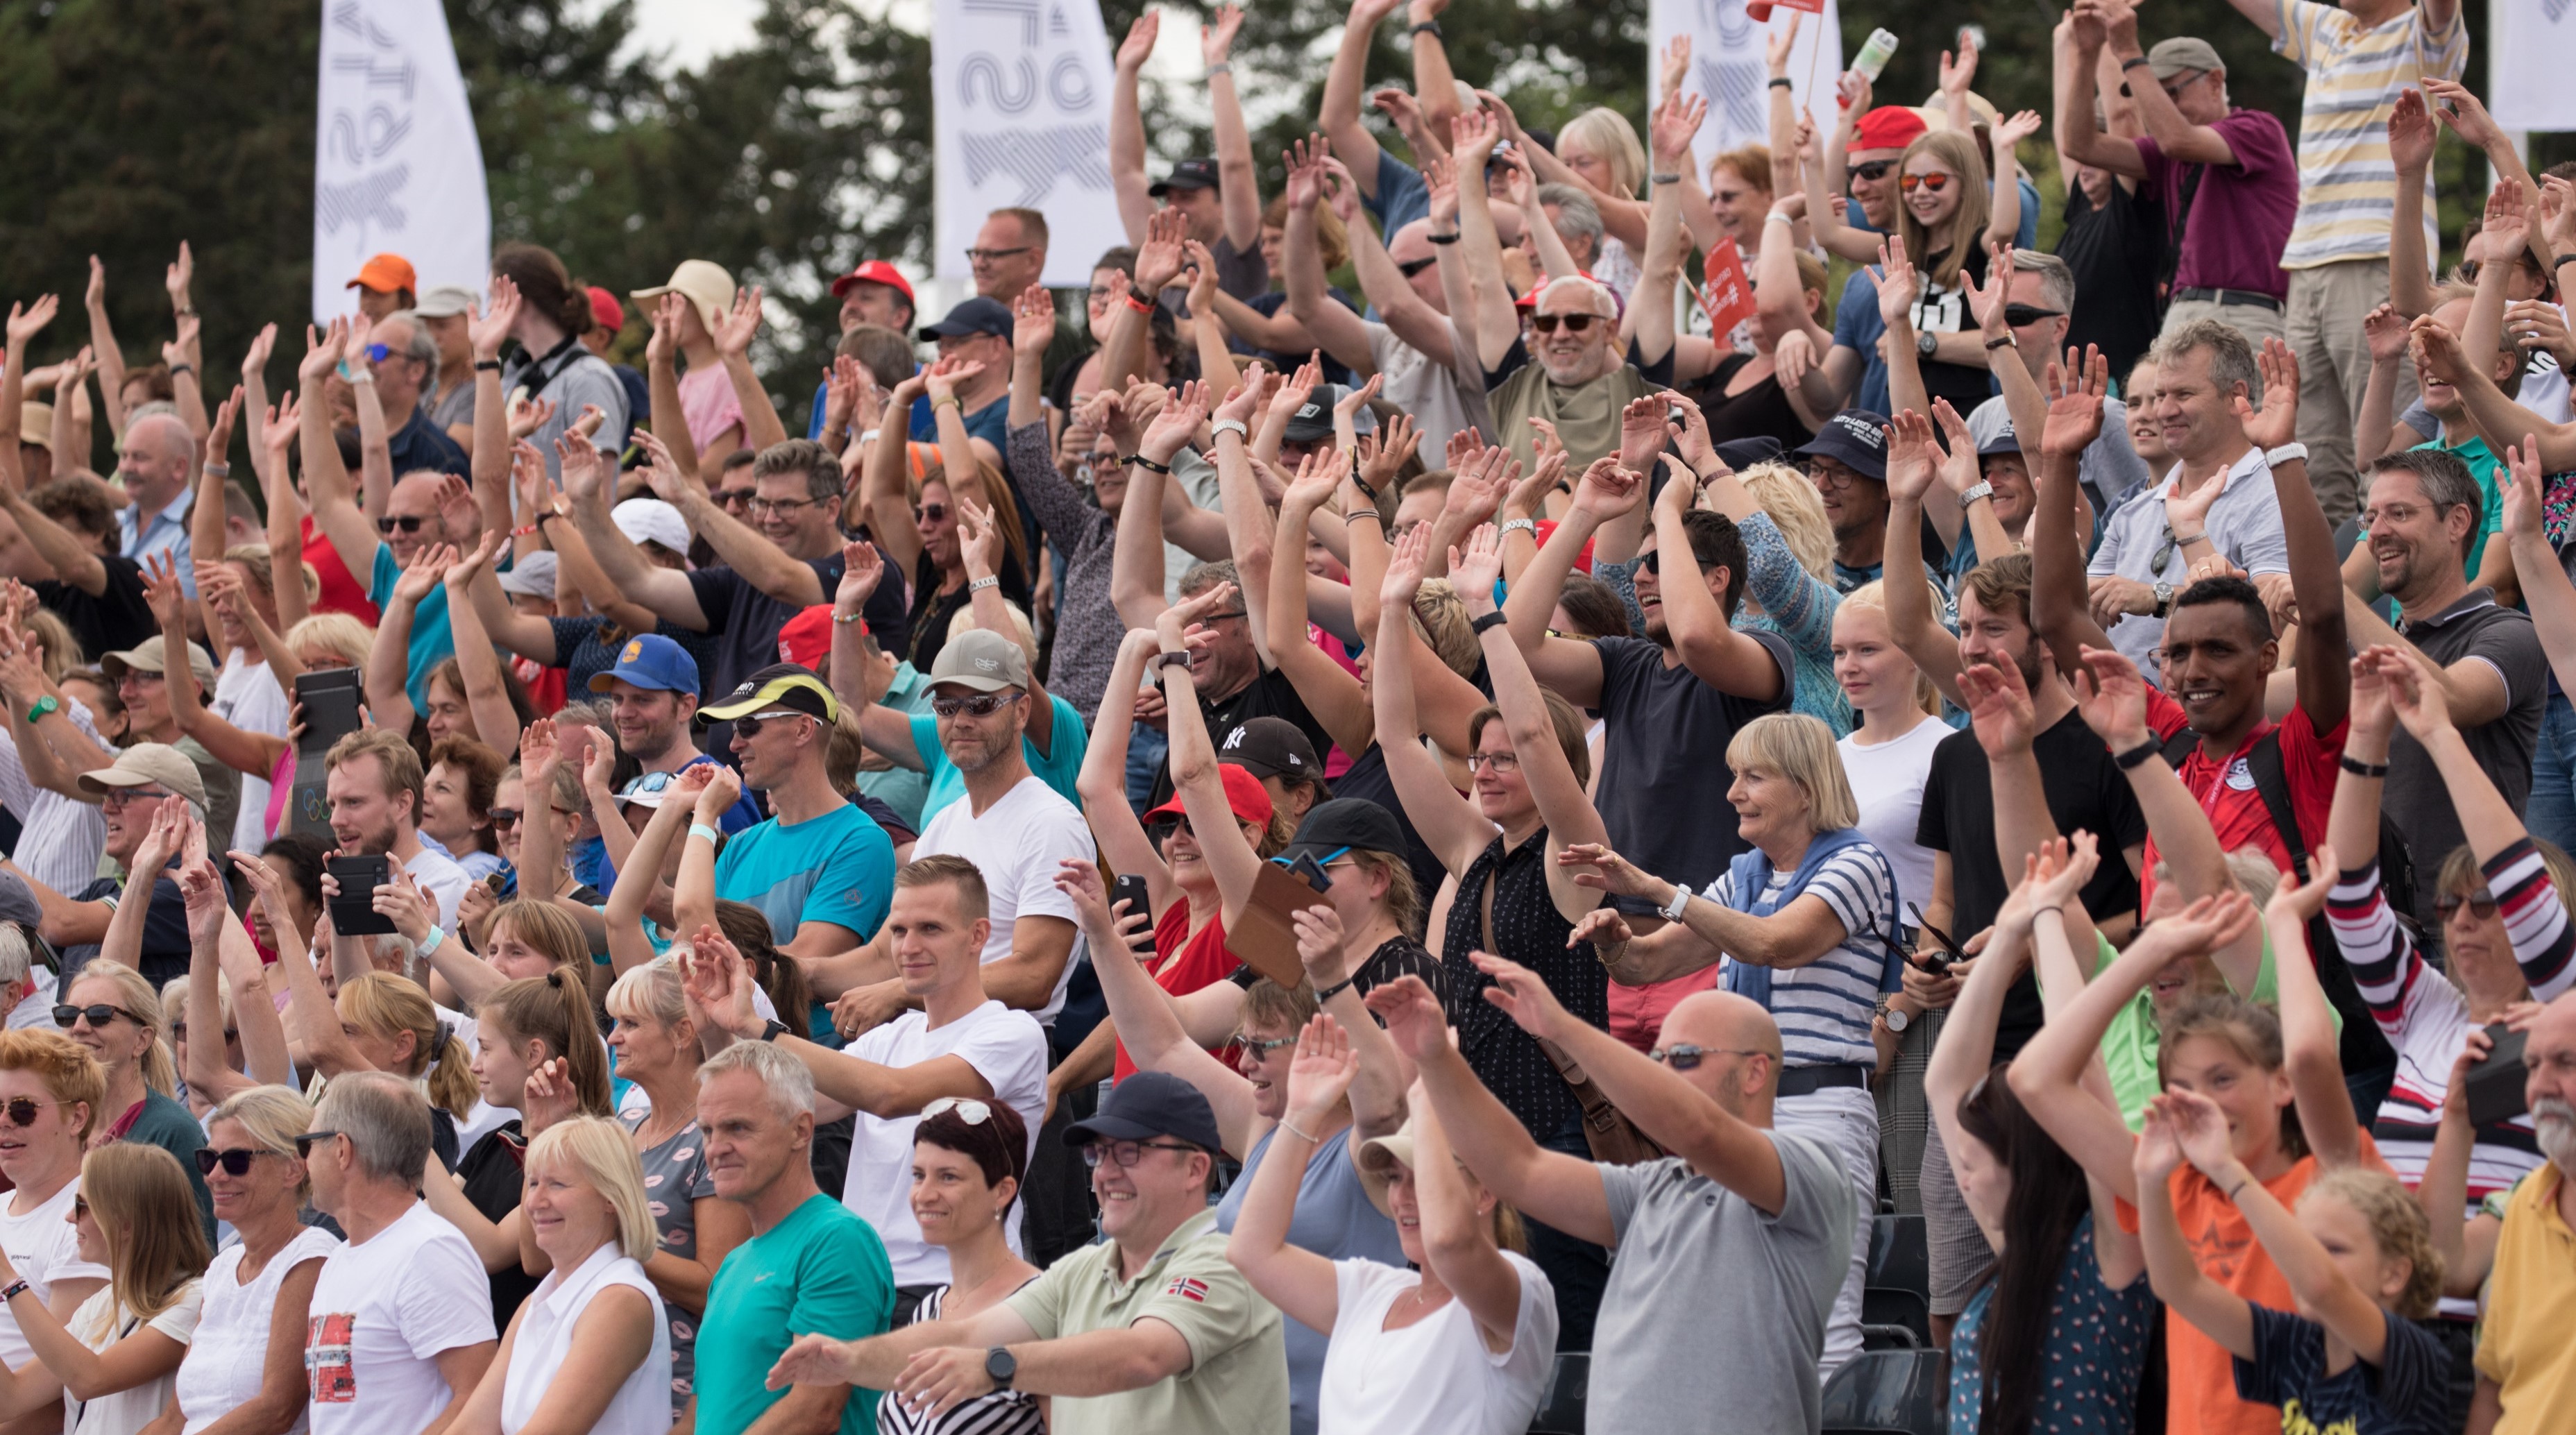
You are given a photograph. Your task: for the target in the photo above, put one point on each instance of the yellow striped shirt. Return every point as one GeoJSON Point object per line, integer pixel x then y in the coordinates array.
{"type": "Point", "coordinates": [2347, 183]}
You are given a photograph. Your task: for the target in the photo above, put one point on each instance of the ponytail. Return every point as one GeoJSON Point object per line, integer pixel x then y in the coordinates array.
{"type": "Point", "coordinates": [555, 1009]}
{"type": "Point", "coordinates": [452, 1087]}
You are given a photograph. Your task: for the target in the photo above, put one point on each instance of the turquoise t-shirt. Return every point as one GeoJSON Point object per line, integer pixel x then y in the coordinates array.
{"type": "Point", "coordinates": [432, 640]}
{"type": "Point", "coordinates": [820, 1271]}
{"type": "Point", "coordinates": [838, 867]}
{"type": "Point", "coordinates": [1057, 769]}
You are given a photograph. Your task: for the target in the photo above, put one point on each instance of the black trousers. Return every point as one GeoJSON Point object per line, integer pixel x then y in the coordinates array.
{"type": "Point", "coordinates": [1576, 1268]}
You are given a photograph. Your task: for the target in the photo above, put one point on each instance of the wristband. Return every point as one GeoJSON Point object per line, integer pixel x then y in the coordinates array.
{"type": "Point", "coordinates": [437, 938]}
{"type": "Point", "coordinates": [1672, 910]}
{"type": "Point", "coordinates": [1139, 303]}
{"type": "Point", "coordinates": [859, 618]}
{"type": "Point", "coordinates": [1431, 28]}
{"type": "Point", "coordinates": [542, 515]}
{"type": "Point", "coordinates": [700, 829]}
{"type": "Point", "coordinates": [2132, 63]}
{"type": "Point", "coordinates": [2554, 263]}
{"type": "Point", "coordinates": [2286, 453]}
{"type": "Point", "coordinates": [1361, 483]}
{"type": "Point", "coordinates": [362, 376]}
{"type": "Point", "coordinates": [182, 367]}
{"type": "Point", "coordinates": [2359, 768]}
{"type": "Point", "coordinates": [1488, 623]}
{"type": "Point", "coordinates": [218, 469]}
{"type": "Point", "coordinates": [1221, 67]}
{"type": "Point", "coordinates": [1453, 238]}
{"type": "Point", "coordinates": [1336, 989]}
{"type": "Point", "coordinates": [870, 436]}
{"type": "Point", "coordinates": [184, 311]}
{"type": "Point", "coordinates": [1148, 464]}
{"type": "Point", "coordinates": [2006, 342]}
{"type": "Point", "coordinates": [1237, 427]}
{"type": "Point", "coordinates": [2152, 747]}
{"type": "Point", "coordinates": [1667, 178]}
{"type": "Point", "coordinates": [1776, 217]}
{"type": "Point", "coordinates": [1780, 82]}
{"type": "Point", "coordinates": [2183, 541]}
{"type": "Point", "coordinates": [487, 366]}
{"type": "Point", "coordinates": [20, 1286]}
{"type": "Point", "coordinates": [978, 585]}
{"type": "Point", "coordinates": [525, 530]}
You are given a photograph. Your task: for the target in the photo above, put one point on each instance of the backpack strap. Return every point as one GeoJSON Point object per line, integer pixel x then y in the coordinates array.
{"type": "Point", "coordinates": [2272, 783]}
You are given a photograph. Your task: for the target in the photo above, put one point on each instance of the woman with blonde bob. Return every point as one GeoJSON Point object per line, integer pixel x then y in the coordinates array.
{"type": "Point", "coordinates": [589, 1349]}
{"type": "Point", "coordinates": [114, 1012]}
{"type": "Point", "coordinates": [248, 1353]}
{"type": "Point", "coordinates": [112, 1364]}
{"type": "Point", "coordinates": [1803, 924]}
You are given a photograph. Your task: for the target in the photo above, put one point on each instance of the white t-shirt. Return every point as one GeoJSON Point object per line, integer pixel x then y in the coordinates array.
{"type": "Point", "coordinates": [1441, 399]}
{"type": "Point", "coordinates": [1436, 1376]}
{"type": "Point", "coordinates": [1018, 844]}
{"type": "Point", "coordinates": [642, 1404]}
{"type": "Point", "coordinates": [1008, 1049]}
{"type": "Point", "coordinates": [439, 876]}
{"type": "Point", "coordinates": [249, 698]}
{"type": "Point", "coordinates": [43, 1248]}
{"type": "Point", "coordinates": [383, 1312]}
{"type": "Point", "coordinates": [101, 1322]}
{"type": "Point", "coordinates": [1887, 779]}
{"type": "Point", "coordinates": [225, 1363]}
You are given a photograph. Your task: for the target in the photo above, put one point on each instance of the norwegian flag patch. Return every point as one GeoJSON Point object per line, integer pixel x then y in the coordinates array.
{"type": "Point", "coordinates": [1188, 1288]}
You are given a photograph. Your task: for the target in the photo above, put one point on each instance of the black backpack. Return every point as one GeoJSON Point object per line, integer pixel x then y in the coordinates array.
{"type": "Point", "coordinates": [2363, 1048]}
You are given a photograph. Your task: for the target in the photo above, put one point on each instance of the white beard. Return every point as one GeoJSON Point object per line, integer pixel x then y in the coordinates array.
{"type": "Point", "coordinates": [2556, 1121]}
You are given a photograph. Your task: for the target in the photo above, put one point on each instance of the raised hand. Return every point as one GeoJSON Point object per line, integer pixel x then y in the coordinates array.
{"type": "Point", "coordinates": [1609, 491]}
{"type": "Point", "coordinates": [175, 278]}
{"type": "Point", "coordinates": [2200, 1129]}
{"type": "Point", "coordinates": [1778, 45]}
{"type": "Point", "coordinates": [262, 344]}
{"type": "Point", "coordinates": [1675, 123]}
{"type": "Point", "coordinates": [1258, 387]}
{"type": "Point", "coordinates": [527, 415]}
{"type": "Point", "coordinates": [2066, 865]}
{"type": "Point", "coordinates": [1913, 459]}
{"type": "Point", "coordinates": [1603, 927]}
{"type": "Point", "coordinates": [1597, 867]}
{"type": "Point", "coordinates": [1988, 303]}
{"type": "Point", "coordinates": [1412, 1015]}
{"type": "Point", "coordinates": [2019, 126]}
{"type": "Point", "coordinates": [2415, 690]}
{"type": "Point", "coordinates": [2075, 393]}
{"type": "Point", "coordinates": [2113, 698]}
{"type": "Point", "coordinates": [161, 590]}
{"type": "Point", "coordinates": [2385, 331]}
{"type": "Point", "coordinates": [1999, 707]}
{"type": "Point", "coordinates": [662, 346]}
{"type": "Point", "coordinates": [1959, 72]}
{"type": "Point", "coordinates": [2159, 1150]}
{"type": "Point", "coordinates": [979, 539]}
{"type": "Point", "coordinates": [321, 351]}
{"type": "Point", "coordinates": [1173, 428]}
{"type": "Point", "coordinates": [1519, 994]}
{"type": "Point", "coordinates": [1383, 454]}
{"type": "Point", "coordinates": [1899, 284]}
{"type": "Point", "coordinates": [2410, 133]}
{"type": "Point", "coordinates": [1216, 41]}
{"type": "Point", "coordinates": [1321, 1075]}
{"type": "Point", "coordinates": [488, 329]}
{"type": "Point", "coordinates": [1959, 467]}
{"type": "Point", "coordinates": [548, 1097]}
{"type": "Point", "coordinates": [734, 332]}
{"type": "Point", "coordinates": [1139, 44]}
{"type": "Point", "coordinates": [1032, 322]}
{"type": "Point", "coordinates": [1405, 560]}
{"type": "Point", "coordinates": [1475, 571]}
{"type": "Point", "coordinates": [1159, 258]}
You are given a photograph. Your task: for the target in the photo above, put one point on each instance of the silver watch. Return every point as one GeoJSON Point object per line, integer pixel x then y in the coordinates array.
{"type": "Point", "coordinates": [1897, 1021]}
{"type": "Point", "coordinates": [1981, 489]}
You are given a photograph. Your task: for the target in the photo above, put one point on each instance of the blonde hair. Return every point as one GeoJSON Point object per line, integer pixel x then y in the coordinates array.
{"type": "Point", "coordinates": [58, 647]}
{"type": "Point", "coordinates": [1276, 1008]}
{"type": "Point", "coordinates": [554, 1009]}
{"type": "Point", "coordinates": [1789, 499]}
{"type": "Point", "coordinates": [147, 1215]}
{"type": "Point", "coordinates": [546, 927]}
{"type": "Point", "coordinates": [65, 1066]}
{"type": "Point", "coordinates": [135, 993]}
{"type": "Point", "coordinates": [272, 1116]}
{"type": "Point", "coordinates": [650, 993]}
{"type": "Point", "coordinates": [1332, 238]}
{"type": "Point", "coordinates": [1608, 136]}
{"type": "Point", "coordinates": [2397, 1226]}
{"type": "Point", "coordinates": [386, 1004]}
{"type": "Point", "coordinates": [1441, 617]}
{"type": "Point", "coordinates": [604, 1154]}
{"type": "Point", "coordinates": [1872, 597]}
{"type": "Point", "coordinates": [335, 633]}
{"type": "Point", "coordinates": [1801, 749]}
{"type": "Point", "coordinates": [1967, 224]}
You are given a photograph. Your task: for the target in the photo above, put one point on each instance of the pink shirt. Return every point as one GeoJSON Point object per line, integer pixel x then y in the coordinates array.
{"type": "Point", "coordinates": [708, 405]}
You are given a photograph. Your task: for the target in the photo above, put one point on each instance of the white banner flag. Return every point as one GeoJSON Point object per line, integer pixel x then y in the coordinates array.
{"type": "Point", "coordinates": [1726, 68]}
{"type": "Point", "coordinates": [396, 167]}
{"type": "Point", "coordinates": [2530, 53]}
{"type": "Point", "coordinates": [1020, 110]}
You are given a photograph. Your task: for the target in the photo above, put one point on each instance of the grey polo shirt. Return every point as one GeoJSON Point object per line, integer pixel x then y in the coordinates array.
{"type": "Point", "coordinates": [2244, 526]}
{"type": "Point", "coordinates": [2473, 629]}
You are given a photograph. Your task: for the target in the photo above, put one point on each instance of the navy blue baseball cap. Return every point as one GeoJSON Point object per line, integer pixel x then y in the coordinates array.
{"type": "Point", "coordinates": [650, 660]}
{"type": "Point", "coordinates": [978, 315]}
{"type": "Point", "coordinates": [1146, 1105]}
{"type": "Point", "coordinates": [1857, 439]}
{"type": "Point", "coordinates": [1198, 173]}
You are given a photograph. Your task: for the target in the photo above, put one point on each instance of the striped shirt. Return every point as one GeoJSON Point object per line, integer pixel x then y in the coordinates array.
{"type": "Point", "coordinates": [2427, 1019]}
{"type": "Point", "coordinates": [1824, 1007]}
{"type": "Point", "coordinates": [2347, 182]}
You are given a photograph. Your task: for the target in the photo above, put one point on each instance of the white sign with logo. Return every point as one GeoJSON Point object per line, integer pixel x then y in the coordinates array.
{"type": "Point", "coordinates": [396, 167]}
{"type": "Point", "coordinates": [1020, 120]}
{"type": "Point", "coordinates": [2530, 50]}
{"type": "Point", "coordinates": [1726, 67]}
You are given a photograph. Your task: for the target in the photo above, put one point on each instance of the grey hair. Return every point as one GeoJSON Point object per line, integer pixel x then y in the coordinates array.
{"type": "Point", "coordinates": [2056, 278]}
{"type": "Point", "coordinates": [2231, 357]}
{"type": "Point", "coordinates": [1577, 217]}
{"type": "Point", "coordinates": [17, 953]}
{"type": "Point", "coordinates": [1605, 305]}
{"type": "Point", "coordinates": [422, 350]}
{"type": "Point", "coordinates": [1203, 576]}
{"type": "Point", "coordinates": [790, 1085]}
{"type": "Point", "coordinates": [386, 1120]}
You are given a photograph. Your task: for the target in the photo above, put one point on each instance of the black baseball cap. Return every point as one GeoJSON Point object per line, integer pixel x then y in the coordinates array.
{"type": "Point", "coordinates": [1857, 439]}
{"type": "Point", "coordinates": [1146, 1105]}
{"type": "Point", "coordinates": [978, 315]}
{"type": "Point", "coordinates": [1272, 747]}
{"type": "Point", "coordinates": [1313, 421]}
{"type": "Point", "coordinates": [1743, 453]}
{"type": "Point", "coordinates": [1188, 174]}
{"type": "Point", "coordinates": [1335, 827]}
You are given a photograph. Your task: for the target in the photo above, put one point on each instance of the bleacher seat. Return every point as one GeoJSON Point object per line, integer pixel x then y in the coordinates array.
{"type": "Point", "coordinates": [1560, 1410]}
{"type": "Point", "coordinates": [1896, 1290]}
{"type": "Point", "coordinates": [1890, 1392]}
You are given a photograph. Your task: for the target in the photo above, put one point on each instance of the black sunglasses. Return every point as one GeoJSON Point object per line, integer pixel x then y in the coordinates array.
{"type": "Point", "coordinates": [1874, 170]}
{"type": "Point", "coordinates": [1411, 267]}
{"type": "Point", "coordinates": [734, 497]}
{"type": "Point", "coordinates": [99, 1014]}
{"type": "Point", "coordinates": [305, 1143]}
{"type": "Point", "coordinates": [235, 1162]}
{"type": "Point", "coordinates": [980, 705]}
{"type": "Point", "coordinates": [1574, 323]}
{"type": "Point", "coordinates": [407, 523]}
{"type": "Point", "coordinates": [2481, 904]}
{"type": "Point", "coordinates": [504, 816]}
{"type": "Point", "coordinates": [1682, 1056]}
{"type": "Point", "coordinates": [2022, 316]}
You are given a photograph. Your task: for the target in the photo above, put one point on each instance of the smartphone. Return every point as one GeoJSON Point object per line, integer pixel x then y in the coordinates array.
{"type": "Point", "coordinates": [1130, 889]}
{"type": "Point", "coordinates": [2496, 1084]}
{"type": "Point", "coordinates": [353, 912]}
{"type": "Point", "coordinates": [330, 697]}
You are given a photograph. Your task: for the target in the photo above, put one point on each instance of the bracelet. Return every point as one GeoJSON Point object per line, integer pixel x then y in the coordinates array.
{"type": "Point", "coordinates": [525, 530]}
{"type": "Point", "coordinates": [1336, 989]}
{"type": "Point", "coordinates": [2183, 542]}
{"type": "Point", "coordinates": [184, 311]}
{"type": "Point", "coordinates": [1237, 427]}
{"type": "Point", "coordinates": [1780, 82]}
{"type": "Point", "coordinates": [1489, 622]}
{"type": "Point", "coordinates": [2057, 907]}
{"type": "Point", "coordinates": [1776, 217]}
{"type": "Point", "coordinates": [2154, 746]}
{"type": "Point", "coordinates": [542, 515]}
{"type": "Point", "coordinates": [437, 938]}
{"type": "Point", "coordinates": [1354, 515]}
{"type": "Point", "coordinates": [1431, 28]}
{"type": "Point", "coordinates": [20, 1286]}
{"type": "Point", "coordinates": [1520, 525]}
{"type": "Point", "coordinates": [1221, 67]}
{"type": "Point", "coordinates": [2132, 63]}
{"type": "Point", "coordinates": [362, 376]}
{"type": "Point", "coordinates": [951, 399]}
{"type": "Point", "coordinates": [1148, 464]}
{"type": "Point", "coordinates": [700, 829]}
{"type": "Point", "coordinates": [218, 468]}
{"type": "Point", "coordinates": [2006, 342]}
{"type": "Point", "coordinates": [978, 585]}
{"type": "Point", "coordinates": [2359, 768]}
{"type": "Point", "coordinates": [859, 618]}
{"type": "Point", "coordinates": [1139, 302]}
{"type": "Point", "coordinates": [870, 436]}
{"type": "Point", "coordinates": [2554, 263]}
{"type": "Point", "coordinates": [1284, 1124]}
{"type": "Point", "coordinates": [2241, 1185]}
{"type": "Point", "coordinates": [2286, 453]}
{"type": "Point", "coordinates": [182, 367]}
{"type": "Point", "coordinates": [1667, 178]}
{"type": "Point", "coordinates": [487, 366]}
{"type": "Point", "coordinates": [1452, 238]}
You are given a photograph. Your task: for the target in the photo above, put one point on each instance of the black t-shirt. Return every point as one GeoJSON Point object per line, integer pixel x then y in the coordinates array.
{"type": "Point", "coordinates": [2402, 1395]}
{"type": "Point", "coordinates": [2084, 788]}
{"type": "Point", "coordinates": [583, 653]}
{"type": "Point", "coordinates": [2117, 253]}
{"type": "Point", "coordinates": [1664, 777]}
{"type": "Point", "coordinates": [745, 620]}
{"type": "Point", "coordinates": [113, 621]}
{"type": "Point", "coordinates": [165, 933]}
{"type": "Point", "coordinates": [1395, 957]}
{"type": "Point", "coordinates": [1367, 778]}
{"type": "Point", "coordinates": [493, 1172]}
{"type": "Point", "coordinates": [932, 610]}
{"type": "Point", "coordinates": [1945, 310]}
{"type": "Point", "coordinates": [1762, 411]}
{"type": "Point", "coordinates": [1269, 695]}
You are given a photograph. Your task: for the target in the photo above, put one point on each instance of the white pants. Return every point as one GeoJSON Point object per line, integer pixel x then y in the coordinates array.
{"type": "Point", "coordinates": [1845, 1119]}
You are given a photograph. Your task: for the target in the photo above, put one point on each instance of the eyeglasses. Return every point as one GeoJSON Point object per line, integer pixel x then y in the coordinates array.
{"type": "Point", "coordinates": [995, 256]}
{"type": "Point", "coordinates": [235, 1162]}
{"type": "Point", "coordinates": [930, 513]}
{"type": "Point", "coordinates": [1682, 1056]}
{"type": "Point", "coordinates": [1263, 1048]}
{"type": "Point", "coordinates": [751, 724]}
{"type": "Point", "coordinates": [1411, 267]}
{"type": "Point", "coordinates": [1128, 1153]}
{"type": "Point", "coordinates": [2481, 904]}
{"type": "Point", "coordinates": [1100, 294]}
{"type": "Point", "coordinates": [1874, 170]}
{"type": "Point", "coordinates": [779, 505]}
{"type": "Point", "coordinates": [1498, 761]}
{"type": "Point", "coordinates": [404, 523]}
{"type": "Point", "coordinates": [2022, 316]}
{"type": "Point", "coordinates": [648, 783]}
{"type": "Point", "coordinates": [99, 1014]}
{"type": "Point", "coordinates": [733, 497]}
{"type": "Point", "coordinates": [505, 816]}
{"type": "Point", "coordinates": [1831, 479]}
{"type": "Point", "coordinates": [980, 705]}
{"type": "Point", "coordinates": [120, 797]}
{"type": "Point", "coordinates": [1935, 182]}
{"type": "Point", "coordinates": [973, 1113]}
{"type": "Point", "coordinates": [305, 1143]}
{"type": "Point", "coordinates": [1574, 323]}
{"type": "Point", "coordinates": [21, 1110]}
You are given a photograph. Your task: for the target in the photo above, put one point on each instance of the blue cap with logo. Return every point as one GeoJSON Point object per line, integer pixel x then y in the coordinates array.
{"type": "Point", "coordinates": [652, 661]}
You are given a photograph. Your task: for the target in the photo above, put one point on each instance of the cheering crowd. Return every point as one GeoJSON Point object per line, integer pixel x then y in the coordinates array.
{"type": "Point", "coordinates": [1190, 870]}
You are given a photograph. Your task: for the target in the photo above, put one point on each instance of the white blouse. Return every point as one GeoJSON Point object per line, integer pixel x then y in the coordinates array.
{"type": "Point", "coordinates": [225, 1363]}
{"type": "Point", "coordinates": [642, 1405]}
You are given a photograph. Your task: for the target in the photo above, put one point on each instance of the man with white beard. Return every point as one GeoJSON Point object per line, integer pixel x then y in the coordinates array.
{"type": "Point", "coordinates": [2526, 1362]}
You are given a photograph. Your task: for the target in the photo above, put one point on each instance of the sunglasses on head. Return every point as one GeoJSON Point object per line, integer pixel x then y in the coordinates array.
{"type": "Point", "coordinates": [2020, 316]}
{"type": "Point", "coordinates": [750, 724]}
{"type": "Point", "coordinates": [406, 523]}
{"type": "Point", "coordinates": [980, 705]}
{"type": "Point", "coordinates": [1682, 1056]}
{"type": "Point", "coordinates": [1411, 267]}
{"type": "Point", "coordinates": [1574, 323]}
{"type": "Point", "coordinates": [99, 1014]}
{"type": "Point", "coordinates": [973, 1113]}
{"type": "Point", "coordinates": [2481, 904]}
{"type": "Point", "coordinates": [1873, 170]}
{"type": "Point", "coordinates": [1935, 182]}
{"type": "Point", "coordinates": [21, 1110]}
{"type": "Point", "coordinates": [235, 1162]}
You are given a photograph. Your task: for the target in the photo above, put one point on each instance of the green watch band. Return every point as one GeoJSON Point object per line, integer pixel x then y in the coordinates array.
{"type": "Point", "coordinates": [43, 705]}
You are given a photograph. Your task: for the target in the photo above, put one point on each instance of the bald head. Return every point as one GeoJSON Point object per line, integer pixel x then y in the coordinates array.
{"type": "Point", "coordinates": [1740, 1044]}
{"type": "Point", "coordinates": [415, 497]}
{"type": "Point", "coordinates": [155, 466]}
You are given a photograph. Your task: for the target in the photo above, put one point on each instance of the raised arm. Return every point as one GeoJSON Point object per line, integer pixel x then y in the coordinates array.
{"type": "Point", "coordinates": [760, 423]}
{"type": "Point", "coordinates": [2213, 1309]}
{"type": "Point", "coordinates": [1676, 121]}
{"type": "Point", "coordinates": [1239, 183]}
{"type": "Point", "coordinates": [1230, 858]}
{"type": "Point", "coordinates": [1340, 332]}
{"type": "Point", "coordinates": [668, 419]}
{"type": "Point", "coordinates": [1301, 1283]}
{"type": "Point", "coordinates": [2078, 138]}
{"type": "Point", "coordinates": [1345, 83]}
{"type": "Point", "coordinates": [1606, 493]}
{"type": "Point", "coordinates": [1498, 323]}
{"type": "Point", "coordinates": [1127, 179]}
{"type": "Point", "coordinates": [1124, 844]}
{"type": "Point", "coordinates": [587, 495]}
{"type": "Point", "coordinates": [1449, 823]}
{"type": "Point", "coordinates": [326, 481]}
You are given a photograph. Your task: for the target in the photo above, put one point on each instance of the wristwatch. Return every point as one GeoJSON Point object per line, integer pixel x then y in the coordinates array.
{"type": "Point", "coordinates": [1895, 1017]}
{"type": "Point", "coordinates": [1925, 344]}
{"type": "Point", "coordinates": [775, 1030]}
{"type": "Point", "coordinates": [42, 706]}
{"type": "Point", "coordinates": [2164, 599]}
{"type": "Point", "coordinates": [1981, 489]}
{"type": "Point", "coordinates": [1001, 1366]}
{"type": "Point", "coordinates": [1672, 910]}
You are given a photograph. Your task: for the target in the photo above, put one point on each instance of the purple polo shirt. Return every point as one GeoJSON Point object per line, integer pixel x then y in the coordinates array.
{"type": "Point", "coordinates": [2241, 214]}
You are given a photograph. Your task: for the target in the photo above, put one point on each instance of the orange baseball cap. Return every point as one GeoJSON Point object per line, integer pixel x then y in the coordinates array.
{"type": "Point", "coordinates": [386, 273]}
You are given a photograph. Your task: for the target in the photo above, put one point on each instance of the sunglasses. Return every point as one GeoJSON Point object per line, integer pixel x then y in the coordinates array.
{"type": "Point", "coordinates": [2481, 904]}
{"type": "Point", "coordinates": [407, 523]}
{"type": "Point", "coordinates": [505, 816]}
{"type": "Point", "coordinates": [1682, 1056]}
{"type": "Point", "coordinates": [973, 1113]}
{"type": "Point", "coordinates": [750, 725]}
{"type": "Point", "coordinates": [2022, 316]}
{"type": "Point", "coordinates": [21, 1110]}
{"type": "Point", "coordinates": [1574, 323]}
{"type": "Point", "coordinates": [235, 1162]}
{"type": "Point", "coordinates": [650, 782]}
{"type": "Point", "coordinates": [1128, 1153]}
{"type": "Point", "coordinates": [99, 1014]}
{"type": "Point", "coordinates": [980, 705]}
{"type": "Point", "coordinates": [1263, 1048]}
{"type": "Point", "coordinates": [1935, 182]}
{"type": "Point", "coordinates": [305, 1143]}
{"type": "Point", "coordinates": [930, 513]}
{"type": "Point", "coordinates": [1874, 171]}
{"type": "Point", "coordinates": [779, 505]}
{"type": "Point", "coordinates": [733, 497]}
{"type": "Point", "coordinates": [80, 1208]}
{"type": "Point", "coordinates": [1411, 267]}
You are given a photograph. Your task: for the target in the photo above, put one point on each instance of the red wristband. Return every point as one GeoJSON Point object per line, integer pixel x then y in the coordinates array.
{"type": "Point", "coordinates": [524, 530]}
{"type": "Point", "coordinates": [1139, 303]}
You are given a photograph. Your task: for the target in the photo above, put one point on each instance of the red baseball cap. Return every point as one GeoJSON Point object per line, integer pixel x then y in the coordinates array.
{"type": "Point", "coordinates": [605, 310]}
{"type": "Point", "coordinates": [1529, 300]}
{"type": "Point", "coordinates": [1244, 794]}
{"type": "Point", "coordinates": [385, 274]}
{"type": "Point", "coordinates": [1888, 127]}
{"type": "Point", "coordinates": [875, 271]}
{"type": "Point", "coordinates": [806, 639]}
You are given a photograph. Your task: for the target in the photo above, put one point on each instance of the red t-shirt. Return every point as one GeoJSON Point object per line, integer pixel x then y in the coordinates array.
{"type": "Point", "coordinates": [341, 593]}
{"type": "Point", "coordinates": [2227, 793]}
{"type": "Point", "coordinates": [1184, 962]}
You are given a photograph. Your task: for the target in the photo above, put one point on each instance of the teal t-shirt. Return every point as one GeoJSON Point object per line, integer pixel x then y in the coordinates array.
{"type": "Point", "coordinates": [838, 867]}
{"type": "Point", "coordinates": [2484, 466]}
{"type": "Point", "coordinates": [821, 1271]}
{"type": "Point", "coordinates": [1056, 769]}
{"type": "Point", "coordinates": [432, 640]}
